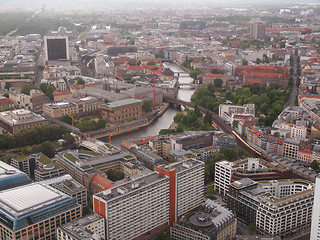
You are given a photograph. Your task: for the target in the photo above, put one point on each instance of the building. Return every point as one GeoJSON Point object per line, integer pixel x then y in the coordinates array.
{"type": "Point", "coordinates": [6, 104]}
{"type": "Point", "coordinates": [315, 223]}
{"type": "Point", "coordinates": [90, 227]}
{"type": "Point", "coordinates": [74, 190]}
{"type": "Point", "coordinates": [35, 211]}
{"type": "Point", "coordinates": [209, 79]}
{"type": "Point", "coordinates": [11, 176]}
{"type": "Point", "coordinates": [15, 120]}
{"type": "Point", "coordinates": [21, 100]}
{"type": "Point", "coordinates": [253, 168]}
{"type": "Point", "coordinates": [72, 106]}
{"type": "Point", "coordinates": [144, 93]}
{"type": "Point", "coordinates": [122, 110]}
{"type": "Point", "coordinates": [227, 111]}
{"type": "Point", "coordinates": [193, 140]}
{"type": "Point", "coordinates": [212, 222]}
{"type": "Point", "coordinates": [257, 30]}
{"type": "Point", "coordinates": [56, 48]}
{"type": "Point", "coordinates": [291, 148]}
{"type": "Point", "coordinates": [127, 207]}
{"type": "Point", "coordinates": [276, 207]}
{"type": "Point", "coordinates": [170, 192]}
{"type": "Point", "coordinates": [60, 96]}
{"type": "Point", "coordinates": [263, 75]}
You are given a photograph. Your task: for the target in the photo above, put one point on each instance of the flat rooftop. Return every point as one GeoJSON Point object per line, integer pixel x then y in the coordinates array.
{"type": "Point", "coordinates": [21, 200]}
{"type": "Point", "coordinates": [122, 103]}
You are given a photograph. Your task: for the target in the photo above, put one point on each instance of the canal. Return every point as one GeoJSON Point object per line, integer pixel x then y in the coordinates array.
{"type": "Point", "coordinates": [166, 119]}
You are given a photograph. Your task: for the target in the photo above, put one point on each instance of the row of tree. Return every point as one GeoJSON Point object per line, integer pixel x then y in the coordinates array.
{"type": "Point", "coordinates": [31, 136]}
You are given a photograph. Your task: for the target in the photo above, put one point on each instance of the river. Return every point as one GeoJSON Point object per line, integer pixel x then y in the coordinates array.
{"type": "Point", "coordinates": [166, 119]}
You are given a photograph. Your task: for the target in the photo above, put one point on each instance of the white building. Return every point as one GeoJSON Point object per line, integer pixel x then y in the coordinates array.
{"type": "Point", "coordinates": [222, 177]}
{"type": "Point", "coordinates": [226, 111]}
{"type": "Point", "coordinates": [315, 222]}
{"type": "Point", "coordinates": [91, 227]}
{"type": "Point", "coordinates": [298, 131]}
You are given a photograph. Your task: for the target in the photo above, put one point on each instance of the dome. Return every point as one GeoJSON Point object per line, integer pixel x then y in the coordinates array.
{"type": "Point", "coordinates": [62, 30]}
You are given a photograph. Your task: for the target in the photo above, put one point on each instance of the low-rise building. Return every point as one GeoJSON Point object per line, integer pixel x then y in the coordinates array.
{"type": "Point", "coordinates": [90, 227]}
{"type": "Point", "coordinates": [11, 176]}
{"type": "Point", "coordinates": [6, 104]}
{"type": "Point", "coordinates": [122, 110]}
{"type": "Point", "coordinates": [212, 222]}
{"type": "Point", "coordinates": [210, 78]}
{"type": "Point", "coordinates": [16, 120]}
{"type": "Point", "coordinates": [73, 106]}
{"type": "Point", "coordinates": [144, 93]}
{"type": "Point", "coordinates": [226, 111]}
{"type": "Point", "coordinates": [276, 207]}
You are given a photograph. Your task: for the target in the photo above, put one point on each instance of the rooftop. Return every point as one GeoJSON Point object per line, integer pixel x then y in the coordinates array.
{"type": "Point", "coordinates": [122, 103]}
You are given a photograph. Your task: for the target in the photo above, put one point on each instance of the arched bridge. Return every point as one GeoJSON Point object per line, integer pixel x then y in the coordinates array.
{"type": "Point", "coordinates": [220, 123]}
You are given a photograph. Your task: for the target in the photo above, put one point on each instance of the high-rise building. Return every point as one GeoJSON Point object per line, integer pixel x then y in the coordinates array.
{"type": "Point", "coordinates": [257, 30]}
{"type": "Point", "coordinates": [56, 48]}
{"type": "Point", "coordinates": [151, 202]}
{"type": "Point", "coordinates": [35, 211]}
{"type": "Point", "coordinates": [315, 222]}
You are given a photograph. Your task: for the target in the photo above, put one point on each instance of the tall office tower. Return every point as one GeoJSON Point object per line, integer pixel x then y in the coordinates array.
{"type": "Point", "coordinates": [35, 211]}
{"type": "Point", "coordinates": [56, 48]}
{"type": "Point", "coordinates": [257, 30]}
{"type": "Point", "coordinates": [315, 222]}
{"type": "Point", "coordinates": [151, 202]}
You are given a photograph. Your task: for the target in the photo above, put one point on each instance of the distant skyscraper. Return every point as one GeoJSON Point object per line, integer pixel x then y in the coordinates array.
{"type": "Point", "coordinates": [56, 48]}
{"type": "Point", "coordinates": [257, 30]}
{"type": "Point", "coordinates": [315, 224]}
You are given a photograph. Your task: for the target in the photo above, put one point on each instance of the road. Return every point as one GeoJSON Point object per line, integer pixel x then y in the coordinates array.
{"type": "Point", "coordinates": [294, 92]}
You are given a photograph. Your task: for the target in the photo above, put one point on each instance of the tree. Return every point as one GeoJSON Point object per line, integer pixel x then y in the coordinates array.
{"type": "Point", "coordinates": [258, 61]}
{"type": "Point", "coordinates": [218, 82]}
{"type": "Point", "coordinates": [26, 88]}
{"type": "Point", "coordinates": [244, 62]}
{"type": "Point", "coordinates": [101, 123]}
{"type": "Point", "coordinates": [147, 106]}
{"type": "Point", "coordinates": [251, 228]}
{"type": "Point", "coordinates": [194, 73]}
{"type": "Point", "coordinates": [7, 86]}
{"type": "Point", "coordinates": [179, 129]}
{"type": "Point", "coordinates": [208, 118]}
{"type": "Point", "coordinates": [80, 81]}
{"type": "Point", "coordinates": [69, 139]}
{"type": "Point", "coordinates": [178, 117]}
{"type": "Point", "coordinates": [151, 63]}
{"type": "Point", "coordinates": [314, 165]}
{"type": "Point", "coordinates": [210, 192]}
{"type": "Point", "coordinates": [216, 71]}
{"type": "Point", "coordinates": [114, 175]}
{"type": "Point", "coordinates": [163, 236]}
{"type": "Point", "coordinates": [235, 123]}
{"type": "Point", "coordinates": [6, 95]}
{"type": "Point", "coordinates": [67, 119]}
{"type": "Point", "coordinates": [48, 149]}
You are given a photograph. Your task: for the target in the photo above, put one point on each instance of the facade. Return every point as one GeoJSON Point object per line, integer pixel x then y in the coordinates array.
{"type": "Point", "coordinates": [16, 120]}
{"type": "Point", "coordinates": [122, 110]}
{"type": "Point", "coordinates": [6, 103]}
{"type": "Point", "coordinates": [37, 166]}
{"type": "Point", "coordinates": [90, 227]}
{"type": "Point", "coordinates": [56, 48]}
{"type": "Point", "coordinates": [134, 208]}
{"type": "Point", "coordinates": [315, 223]}
{"type": "Point", "coordinates": [212, 222]}
{"type": "Point", "coordinates": [60, 96]}
{"type": "Point", "coordinates": [257, 30]}
{"type": "Point", "coordinates": [193, 140]}
{"type": "Point", "coordinates": [209, 79]}
{"type": "Point", "coordinates": [291, 148]}
{"type": "Point", "coordinates": [73, 106]}
{"type": "Point", "coordinates": [226, 111]}
{"type": "Point", "coordinates": [21, 100]}
{"type": "Point", "coordinates": [38, 216]}
{"type": "Point", "coordinates": [74, 190]}
{"type": "Point", "coordinates": [154, 201]}
{"type": "Point", "coordinates": [277, 207]}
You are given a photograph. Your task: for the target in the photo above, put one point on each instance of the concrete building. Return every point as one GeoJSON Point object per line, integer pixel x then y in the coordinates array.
{"type": "Point", "coordinates": [210, 78]}
{"type": "Point", "coordinates": [170, 192]}
{"type": "Point", "coordinates": [257, 30]}
{"type": "Point", "coordinates": [16, 120]}
{"type": "Point", "coordinates": [21, 100]}
{"type": "Point", "coordinates": [122, 110]}
{"type": "Point", "coordinates": [11, 176]}
{"type": "Point", "coordinates": [291, 148]}
{"type": "Point", "coordinates": [5, 104]}
{"type": "Point", "coordinates": [56, 48]}
{"type": "Point", "coordinates": [277, 207]}
{"type": "Point", "coordinates": [74, 190]}
{"type": "Point", "coordinates": [226, 111]}
{"type": "Point", "coordinates": [315, 223]}
{"type": "Point", "coordinates": [37, 166]}
{"type": "Point", "coordinates": [193, 140]}
{"type": "Point", "coordinates": [72, 106]}
{"type": "Point", "coordinates": [144, 93]}
{"type": "Point", "coordinates": [35, 211]}
{"type": "Point", "coordinates": [90, 227]}
{"type": "Point", "coordinates": [212, 222]}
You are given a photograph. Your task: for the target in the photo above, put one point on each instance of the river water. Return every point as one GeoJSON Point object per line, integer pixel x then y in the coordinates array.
{"type": "Point", "coordinates": [166, 119]}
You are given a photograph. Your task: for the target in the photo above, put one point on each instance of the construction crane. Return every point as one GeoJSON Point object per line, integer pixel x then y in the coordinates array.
{"type": "Point", "coordinates": [72, 123]}
{"type": "Point", "coordinates": [114, 86]}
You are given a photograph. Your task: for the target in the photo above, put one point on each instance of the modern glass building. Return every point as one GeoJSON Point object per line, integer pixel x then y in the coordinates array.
{"type": "Point", "coordinates": [34, 211]}
{"type": "Point", "coordinates": [11, 176]}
